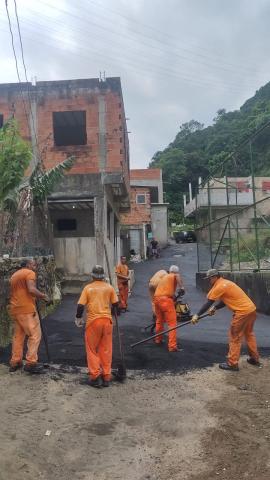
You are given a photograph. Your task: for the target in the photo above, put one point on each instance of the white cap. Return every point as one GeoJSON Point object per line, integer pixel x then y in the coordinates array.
{"type": "Point", "coordinates": [174, 269]}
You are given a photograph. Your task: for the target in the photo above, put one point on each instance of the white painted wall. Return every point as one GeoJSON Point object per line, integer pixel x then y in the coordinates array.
{"type": "Point", "coordinates": [76, 256]}
{"type": "Point", "coordinates": [159, 218]}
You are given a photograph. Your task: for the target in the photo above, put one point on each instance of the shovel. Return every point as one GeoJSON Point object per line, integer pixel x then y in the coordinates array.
{"type": "Point", "coordinates": [166, 331]}
{"type": "Point", "coordinates": [120, 373]}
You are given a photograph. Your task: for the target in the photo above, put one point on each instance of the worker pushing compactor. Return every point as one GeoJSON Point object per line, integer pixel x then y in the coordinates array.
{"type": "Point", "coordinates": [227, 293]}
{"type": "Point", "coordinates": [164, 294]}
{"type": "Point", "coordinates": [153, 283]}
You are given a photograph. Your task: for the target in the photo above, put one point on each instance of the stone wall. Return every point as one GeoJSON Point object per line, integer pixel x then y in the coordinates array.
{"type": "Point", "coordinates": [256, 285]}
{"type": "Point", "coordinates": [46, 280]}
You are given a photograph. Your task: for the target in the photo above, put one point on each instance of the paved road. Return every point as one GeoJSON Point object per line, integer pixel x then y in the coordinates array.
{"type": "Point", "coordinates": [201, 345]}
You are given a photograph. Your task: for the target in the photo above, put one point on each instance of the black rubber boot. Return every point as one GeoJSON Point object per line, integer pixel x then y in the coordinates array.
{"type": "Point", "coordinates": [231, 368]}
{"type": "Point", "coordinates": [97, 383]}
{"type": "Point", "coordinates": [254, 362]}
{"type": "Point", "coordinates": [34, 368]}
{"type": "Point", "coordinates": [14, 368]}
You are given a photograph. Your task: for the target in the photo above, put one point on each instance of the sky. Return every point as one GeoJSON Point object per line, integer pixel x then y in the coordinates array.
{"type": "Point", "coordinates": [178, 59]}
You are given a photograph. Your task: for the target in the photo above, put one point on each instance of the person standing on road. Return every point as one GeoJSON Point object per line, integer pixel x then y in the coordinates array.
{"type": "Point", "coordinates": [23, 311]}
{"type": "Point", "coordinates": [227, 293]}
{"type": "Point", "coordinates": [122, 274]}
{"type": "Point", "coordinates": [164, 305]}
{"type": "Point", "coordinates": [153, 283]}
{"type": "Point", "coordinates": [154, 247]}
{"type": "Point", "coordinates": [99, 297]}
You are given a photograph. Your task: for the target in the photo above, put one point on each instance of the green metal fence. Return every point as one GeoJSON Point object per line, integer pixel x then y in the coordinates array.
{"type": "Point", "coordinates": [232, 214]}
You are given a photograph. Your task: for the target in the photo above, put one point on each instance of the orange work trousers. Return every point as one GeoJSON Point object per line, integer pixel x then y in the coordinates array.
{"type": "Point", "coordinates": [98, 344]}
{"type": "Point", "coordinates": [165, 312]}
{"type": "Point", "coordinates": [123, 294]}
{"type": "Point", "coordinates": [152, 290]}
{"type": "Point", "coordinates": [25, 324]}
{"type": "Point", "coordinates": [242, 328]}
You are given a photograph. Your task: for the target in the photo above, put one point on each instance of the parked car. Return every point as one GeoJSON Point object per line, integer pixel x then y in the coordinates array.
{"type": "Point", "coordinates": [185, 236]}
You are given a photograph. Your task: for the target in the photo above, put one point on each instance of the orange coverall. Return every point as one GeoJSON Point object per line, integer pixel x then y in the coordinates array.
{"type": "Point", "coordinates": [122, 269]}
{"type": "Point", "coordinates": [153, 283]}
{"type": "Point", "coordinates": [98, 297]}
{"type": "Point", "coordinates": [244, 316]}
{"type": "Point", "coordinates": [26, 321]}
{"type": "Point", "coordinates": [165, 309]}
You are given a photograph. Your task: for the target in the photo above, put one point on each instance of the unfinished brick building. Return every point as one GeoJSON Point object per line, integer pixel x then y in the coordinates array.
{"type": "Point", "coordinates": [84, 118]}
{"type": "Point", "coordinates": [147, 217]}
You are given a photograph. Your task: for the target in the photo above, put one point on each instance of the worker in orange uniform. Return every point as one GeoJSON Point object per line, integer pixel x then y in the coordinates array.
{"type": "Point", "coordinates": [23, 311]}
{"type": "Point", "coordinates": [122, 274]}
{"type": "Point", "coordinates": [227, 293]}
{"type": "Point", "coordinates": [153, 283]}
{"type": "Point", "coordinates": [164, 305]}
{"type": "Point", "coordinates": [98, 296]}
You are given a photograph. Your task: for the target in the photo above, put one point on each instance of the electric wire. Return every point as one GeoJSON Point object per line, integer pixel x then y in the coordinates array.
{"type": "Point", "coordinates": [16, 63]}
{"type": "Point", "coordinates": [83, 19]}
{"type": "Point", "coordinates": [26, 76]}
{"type": "Point", "coordinates": [162, 70]}
{"type": "Point", "coordinates": [187, 79]}
{"type": "Point", "coordinates": [154, 29]}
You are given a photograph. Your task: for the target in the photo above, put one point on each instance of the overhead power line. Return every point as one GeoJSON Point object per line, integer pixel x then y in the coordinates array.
{"type": "Point", "coordinates": [136, 59]}
{"type": "Point", "coordinates": [16, 62]}
{"type": "Point", "coordinates": [217, 63]}
{"type": "Point", "coordinates": [141, 65]}
{"type": "Point", "coordinates": [172, 38]}
{"type": "Point", "coordinates": [26, 76]}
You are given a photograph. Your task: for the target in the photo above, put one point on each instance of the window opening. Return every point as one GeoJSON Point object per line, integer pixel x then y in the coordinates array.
{"type": "Point", "coordinates": [69, 128]}
{"type": "Point", "coordinates": [67, 224]}
{"type": "Point", "coordinates": [141, 198]}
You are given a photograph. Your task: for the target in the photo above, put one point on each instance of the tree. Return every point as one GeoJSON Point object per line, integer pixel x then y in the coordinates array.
{"type": "Point", "coordinates": [199, 151]}
{"type": "Point", "coordinates": [15, 157]}
{"type": "Point", "coordinates": [23, 196]}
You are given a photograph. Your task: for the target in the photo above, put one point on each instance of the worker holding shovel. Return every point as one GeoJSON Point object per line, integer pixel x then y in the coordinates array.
{"type": "Point", "coordinates": [227, 293]}
{"type": "Point", "coordinates": [98, 296]}
{"type": "Point", "coordinates": [24, 313]}
{"type": "Point", "coordinates": [122, 274]}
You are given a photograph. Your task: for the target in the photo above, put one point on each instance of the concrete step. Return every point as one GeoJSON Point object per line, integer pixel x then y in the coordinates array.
{"type": "Point", "coordinates": [74, 285]}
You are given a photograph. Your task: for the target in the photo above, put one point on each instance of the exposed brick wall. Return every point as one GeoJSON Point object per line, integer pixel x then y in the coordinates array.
{"type": "Point", "coordinates": [14, 102]}
{"type": "Point", "coordinates": [143, 174]}
{"type": "Point", "coordinates": [74, 95]}
{"type": "Point", "coordinates": [139, 213]}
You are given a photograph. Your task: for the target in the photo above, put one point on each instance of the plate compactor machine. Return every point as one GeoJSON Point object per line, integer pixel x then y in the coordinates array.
{"type": "Point", "coordinates": [182, 311]}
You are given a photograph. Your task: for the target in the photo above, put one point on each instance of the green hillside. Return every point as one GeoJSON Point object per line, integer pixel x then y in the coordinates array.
{"type": "Point", "coordinates": [198, 151]}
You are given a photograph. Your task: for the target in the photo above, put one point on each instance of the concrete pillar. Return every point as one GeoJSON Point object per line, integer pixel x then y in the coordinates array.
{"type": "Point", "coordinates": [99, 210]}
{"type": "Point", "coordinates": [33, 130]}
{"type": "Point", "coordinates": [190, 191]}
{"type": "Point", "coordinates": [102, 133]}
{"type": "Point", "coordinates": [185, 200]}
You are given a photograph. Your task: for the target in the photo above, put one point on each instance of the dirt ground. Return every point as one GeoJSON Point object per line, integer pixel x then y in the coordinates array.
{"type": "Point", "coordinates": [177, 417]}
{"type": "Point", "coordinates": [197, 426]}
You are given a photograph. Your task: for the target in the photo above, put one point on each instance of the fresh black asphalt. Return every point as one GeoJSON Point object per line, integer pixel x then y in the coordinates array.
{"type": "Point", "coordinates": [200, 346]}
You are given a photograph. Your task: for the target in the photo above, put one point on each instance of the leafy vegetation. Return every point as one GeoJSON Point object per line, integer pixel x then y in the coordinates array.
{"type": "Point", "coordinates": [198, 151]}
{"type": "Point", "coordinates": [15, 156]}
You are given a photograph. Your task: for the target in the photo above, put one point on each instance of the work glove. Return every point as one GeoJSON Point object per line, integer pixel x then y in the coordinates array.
{"type": "Point", "coordinates": [212, 310]}
{"type": "Point", "coordinates": [195, 319]}
{"type": "Point", "coordinates": [79, 322]}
